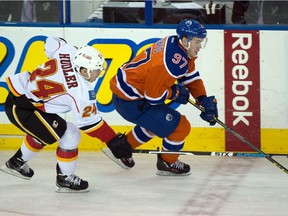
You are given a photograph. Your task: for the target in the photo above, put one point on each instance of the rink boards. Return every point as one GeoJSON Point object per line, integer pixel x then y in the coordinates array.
{"type": "Point", "coordinates": [241, 68]}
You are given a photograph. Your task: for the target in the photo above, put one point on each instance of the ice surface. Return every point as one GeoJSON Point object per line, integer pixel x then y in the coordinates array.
{"type": "Point", "coordinates": [218, 186]}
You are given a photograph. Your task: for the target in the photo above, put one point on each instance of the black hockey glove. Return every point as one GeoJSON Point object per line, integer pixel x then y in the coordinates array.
{"type": "Point", "coordinates": [210, 112]}
{"type": "Point", "coordinates": [120, 147]}
{"type": "Point", "coordinates": [179, 94]}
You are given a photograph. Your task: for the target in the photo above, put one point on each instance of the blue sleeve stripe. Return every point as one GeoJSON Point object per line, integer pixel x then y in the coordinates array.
{"type": "Point", "coordinates": [159, 100]}
{"type": "Point", "coordinates": [128, 90]}
{"type": "Point", "coordinates": [190, 77]}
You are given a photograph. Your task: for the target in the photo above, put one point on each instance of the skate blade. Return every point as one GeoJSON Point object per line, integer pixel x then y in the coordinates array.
{"type": "Point", "coordinates": [9, 171]}
{"type": "Point", "coordinates": [68, 190]}
{"type": "Point", "coordinates": [166, 173]}
{"type": "Point", "coordinates": [110, 155]}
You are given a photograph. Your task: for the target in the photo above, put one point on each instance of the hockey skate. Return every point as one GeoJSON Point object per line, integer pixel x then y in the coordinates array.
{"type": "Point", "coordinates": [70, 184]}
{"type": "Point", "coordinates": [177, 168]}
{"type": "Point", "coordinates": [125, 163]}
{"type": "Point", "coordinates": [17, 167]}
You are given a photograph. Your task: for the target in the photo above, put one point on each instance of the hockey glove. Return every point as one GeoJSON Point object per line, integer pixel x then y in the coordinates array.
{"type": "Point", "coordinates": [120, 147]}
{"type": "Point", "coordinates": [179, 94]}
{"type": "Point", "coordinates": [210, 112]}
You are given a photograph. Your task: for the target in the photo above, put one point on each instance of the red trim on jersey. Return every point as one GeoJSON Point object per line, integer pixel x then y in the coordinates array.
{"type": "Point", "coordinates": [39, 106]}
{"type": "Point", "coordinates": [70, 96]}
{"type": "Point", "coordinates": [59, 45]}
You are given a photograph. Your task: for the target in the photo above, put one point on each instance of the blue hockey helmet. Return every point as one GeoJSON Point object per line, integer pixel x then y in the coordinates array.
{"type": "Point", "coordinates": [190, 28]}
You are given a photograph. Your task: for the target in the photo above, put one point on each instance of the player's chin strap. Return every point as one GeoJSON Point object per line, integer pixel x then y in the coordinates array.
{"type": "Point", "coordinates": [86, 78]}
{"type": "Point", "coordinates": [186, 48]}
{"type": "Point", "coordinates": [89, 76]}
{"type": "Point", "coordinates": [234, 133]}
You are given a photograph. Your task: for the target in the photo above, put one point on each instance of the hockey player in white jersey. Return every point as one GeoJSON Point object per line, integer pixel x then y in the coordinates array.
{"type": "Point", "coordinates": [60, 85]}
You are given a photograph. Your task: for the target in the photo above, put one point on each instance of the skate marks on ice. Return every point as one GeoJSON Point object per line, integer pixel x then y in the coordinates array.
{"type": "Point", "coordinates": [216, 189]}
{"type": "Point", "coordinates": [240, 187]}
{"type": "Point", "coordinates": [218, 186]}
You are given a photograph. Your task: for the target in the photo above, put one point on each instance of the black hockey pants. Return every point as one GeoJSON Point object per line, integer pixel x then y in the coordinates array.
{"type": "Point", "coordinates": [45, 127]}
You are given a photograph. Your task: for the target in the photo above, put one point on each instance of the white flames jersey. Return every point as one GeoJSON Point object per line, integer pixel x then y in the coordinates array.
{"type": "Point", "coordinates": [55, 87]}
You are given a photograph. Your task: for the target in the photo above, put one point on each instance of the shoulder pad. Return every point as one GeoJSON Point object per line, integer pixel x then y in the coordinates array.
{"type": "Point", "coordinates": [175, 58]}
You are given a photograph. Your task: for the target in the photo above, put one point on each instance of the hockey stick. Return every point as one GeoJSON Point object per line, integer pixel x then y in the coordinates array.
{"type": "Point", "coordinates": [242, 139]}
{"type": "Point", "coordinates": [201, 153]}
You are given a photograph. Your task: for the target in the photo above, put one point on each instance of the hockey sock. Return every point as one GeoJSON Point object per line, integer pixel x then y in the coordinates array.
{"type": "Point", "coordinates": [171, 145]}
{"type": "Point", "coordinates": [67, 160]}
{"type": "Point", "coordinates": [30, 147]}
{"type": "Point", "coordinates": [138, 136]}
{"type": "Point", "coordinates": [101, 131]}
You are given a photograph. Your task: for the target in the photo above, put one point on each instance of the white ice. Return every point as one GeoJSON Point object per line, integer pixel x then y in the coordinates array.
{"type": "Point", "coordinates": [218, 186]}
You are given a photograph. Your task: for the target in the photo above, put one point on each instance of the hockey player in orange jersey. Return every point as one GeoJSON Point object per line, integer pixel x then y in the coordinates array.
{"type": "Point", "coordinates": [166, 70]}
{"type": "Point", "coordinates": [60, 85]}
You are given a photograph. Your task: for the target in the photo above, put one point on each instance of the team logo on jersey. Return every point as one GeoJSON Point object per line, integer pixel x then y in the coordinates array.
{"type": "Point", "coordinates": [55, 124]}
{"type": "Point", "coordinates": [92, 95]}
{"type": "Point", "coordinates": [169, 117]}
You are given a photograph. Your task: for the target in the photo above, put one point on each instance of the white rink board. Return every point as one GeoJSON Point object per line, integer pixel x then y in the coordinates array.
{"type": "Point", "coordinates": [273, 65]}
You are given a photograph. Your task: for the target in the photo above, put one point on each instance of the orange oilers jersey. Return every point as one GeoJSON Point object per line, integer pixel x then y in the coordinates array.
{"type": "Point", "coordinates": [151, 74]}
